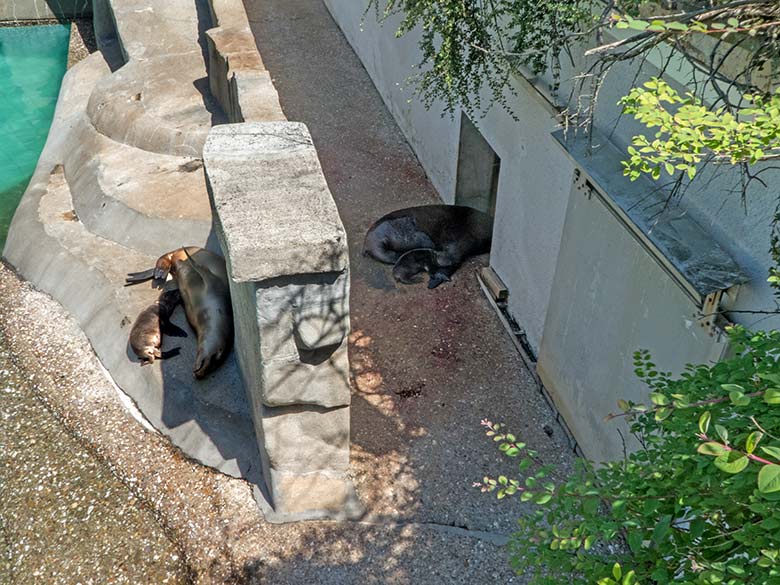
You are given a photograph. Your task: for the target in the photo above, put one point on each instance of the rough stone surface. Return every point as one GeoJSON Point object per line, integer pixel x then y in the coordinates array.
{"type": "Point", "coordinates": [425, 367]}
{"type": "Point", "coordinates": [44, 9]}
{"type": "Point", "coordinates": [237, 74]}
{"type": "Point", "coordinates": [84, 521]}
{"type": "Point", "coordinates": [255, 172]}
{"type": "Point", "coordinates": [290, 289]}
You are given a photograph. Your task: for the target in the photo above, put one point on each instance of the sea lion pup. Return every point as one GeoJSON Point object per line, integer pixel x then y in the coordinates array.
{"type": "Point", "coordinates": [202, 279]}
{"type": "Point", "coordinates": [147, 332]}
{"type": "Point", "coordinates": [440, 238]}
{"type": "Point", "coordinates": [206, 296]}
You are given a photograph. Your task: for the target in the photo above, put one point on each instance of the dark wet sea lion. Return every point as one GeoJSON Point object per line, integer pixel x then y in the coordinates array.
{"type": "Point", "coordinates": [150, 326]}
{"type": "Point", "coordinates": [206, 296]}
{"type": "Point", "coordinates": [435, 238]}
{"type": "Point", "coordinates": [202, 279]}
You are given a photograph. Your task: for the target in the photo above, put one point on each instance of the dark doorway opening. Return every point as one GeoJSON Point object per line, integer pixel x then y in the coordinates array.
{"type": "Point", "coordinates": [478, 170]}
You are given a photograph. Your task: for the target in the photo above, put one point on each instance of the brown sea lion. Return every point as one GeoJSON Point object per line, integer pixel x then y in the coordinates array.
{"type": "Point", "coordinates": [202, 279]}
{"type": "Point", "coordinates": [150, 325]}
{"type": "Point", "coordinates": [206, 296]}
{"type": "Point", "coordinates": [431, 238]}
{"type": "Point", "coordinates": [164, 265]}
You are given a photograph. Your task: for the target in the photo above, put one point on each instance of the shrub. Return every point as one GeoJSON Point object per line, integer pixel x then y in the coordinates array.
{"type": "Point", "coordinates": [696, 503]}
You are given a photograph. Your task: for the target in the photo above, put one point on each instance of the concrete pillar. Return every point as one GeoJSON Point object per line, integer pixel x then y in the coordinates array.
{"type": "Point", "coordinates": [286, 253]}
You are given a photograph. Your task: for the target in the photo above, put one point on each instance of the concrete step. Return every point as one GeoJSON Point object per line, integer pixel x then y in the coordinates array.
{"type": "Point", "coordinates": [161, 105]}
{"type": "Point", "coordinates": [149, 29]}
{"type": "Point", "coordinates": [148, 202]}
{"type": "Point", "coordinates": [209, 420]}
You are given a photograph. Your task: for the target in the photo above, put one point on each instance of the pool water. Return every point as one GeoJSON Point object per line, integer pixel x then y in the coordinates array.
{"type": "Point", "coordinates": [33, 60]}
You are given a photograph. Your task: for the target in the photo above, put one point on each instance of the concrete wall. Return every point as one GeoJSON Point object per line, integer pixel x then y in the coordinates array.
{"type": "Point", "coordinates": [536, 175]}
{"type": "Point", "coordinates": [586, 306]}
{"type": "Point", "coordinates": [44, 9]}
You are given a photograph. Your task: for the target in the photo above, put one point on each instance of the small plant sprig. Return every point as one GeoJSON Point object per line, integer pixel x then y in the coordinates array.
{"type": "Point", "coordinates": [696, 503]}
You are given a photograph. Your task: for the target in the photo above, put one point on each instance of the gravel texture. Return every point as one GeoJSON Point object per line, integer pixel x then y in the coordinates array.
{"type": "Point", "coordinates": [64, 518]}
{"type": "Point", "coordinates": [426, 367]}
{"type": "Point", "coordinates": [82, 40]}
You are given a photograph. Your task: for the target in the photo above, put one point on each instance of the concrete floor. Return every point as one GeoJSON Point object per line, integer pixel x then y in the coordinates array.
{"type": "Point", "coordinates": [427, 366]}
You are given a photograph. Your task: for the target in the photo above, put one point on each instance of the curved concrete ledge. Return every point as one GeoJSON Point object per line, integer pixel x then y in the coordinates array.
{"type": "Point", "coordinates": [158, 105]}
{"type": "Point", "coordinates": [208, 420]}
{"type": "Point", "coordinates": [152, 205]}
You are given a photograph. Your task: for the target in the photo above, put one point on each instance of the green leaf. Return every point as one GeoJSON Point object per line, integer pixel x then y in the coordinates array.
{"type": "Point", "coordinates": [542, 498]}
{"type": "Point", "coordinates": [677, 26]}
{"type": "Point", "coordinates": [617, 572]}
{"type": "Point", "coordinates": [772, 452]}
{"type": "Point", "coordinates": [753, 440]}
{"type": "Point", "coordinates": [733, 388]}
{"type": "Point", "coordinates": [635, 541]}
{"type": "Point", "coordinates": [738, 398]}
{"type": "Point", "coordinates": [712, 448]}
{"type": "Point", "coordinates": [731, 462]}
{"type": "Point", "coordinates": [722, 433]}
{"type": "Point", "coordinates": [659, 399]}
{"type": "Point", "coordinates": [661, 529]}
{"type": "Point", "coordinates": [772, 396]}
{"type": "Point", "coordinates": [704, 422]}
{"type": "Point", "coordinates": [769, 479]}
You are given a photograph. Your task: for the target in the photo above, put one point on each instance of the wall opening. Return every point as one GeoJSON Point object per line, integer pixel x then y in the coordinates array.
{"type": "Point", "coordinates": [478, 168]}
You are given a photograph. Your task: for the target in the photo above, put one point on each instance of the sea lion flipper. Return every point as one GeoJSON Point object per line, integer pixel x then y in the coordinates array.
{"type": "Point", "coordinates": [436, 279]}
{"type": "Point", "coordinates": [170, 353]}
{"type": "Point", "coordinates": [136, 277]}
{"type": "Point", "coordinates": [172, 330]}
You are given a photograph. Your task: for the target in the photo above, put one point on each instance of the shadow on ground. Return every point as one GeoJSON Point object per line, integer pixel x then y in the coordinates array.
{"type": "Point", "coordinates": [426, 366]}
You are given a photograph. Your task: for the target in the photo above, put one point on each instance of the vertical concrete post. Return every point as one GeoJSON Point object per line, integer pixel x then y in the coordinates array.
{"type": "Point", "coordinates": [287, 258]}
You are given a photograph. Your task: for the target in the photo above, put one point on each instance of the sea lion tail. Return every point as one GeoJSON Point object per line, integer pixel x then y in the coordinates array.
{"type": "Point", "coordinates": [136, 277]}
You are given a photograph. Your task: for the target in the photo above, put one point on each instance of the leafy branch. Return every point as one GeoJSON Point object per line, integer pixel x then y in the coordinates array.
{"type": "Point", "coordinates": [666, 514]}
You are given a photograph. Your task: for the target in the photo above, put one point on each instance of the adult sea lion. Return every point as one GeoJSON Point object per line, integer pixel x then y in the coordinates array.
{"type": "Point", "coordinates": [202, 279]}
{"type": "Point", "coordinates": [150, 325]}
{"type": "Point", "coordinates": [206, 296]}
{"type": "Point", "coordinates": [431, 238]}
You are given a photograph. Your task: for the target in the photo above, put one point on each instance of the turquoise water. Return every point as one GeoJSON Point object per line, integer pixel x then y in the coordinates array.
{"type": "Point", "coordinates": [33, 60]}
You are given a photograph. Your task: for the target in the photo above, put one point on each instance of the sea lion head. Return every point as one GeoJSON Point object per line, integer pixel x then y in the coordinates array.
{"type": "Point", "coordinates": [149, 354]}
